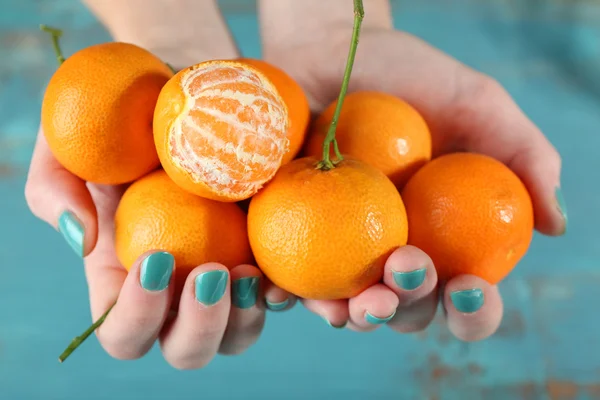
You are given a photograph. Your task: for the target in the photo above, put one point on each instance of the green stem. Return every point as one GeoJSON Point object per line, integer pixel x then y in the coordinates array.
{"type": "Point", "coordinates": [79, 339]}
{"type": "Point", "coordinates": [55, 33]}
{"type": "Point", "coordinates": [326, 163]}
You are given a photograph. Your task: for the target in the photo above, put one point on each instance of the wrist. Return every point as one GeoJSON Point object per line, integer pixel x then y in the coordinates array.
{"type": "Point", "coordinates": [181, 32]}
{"type": "Point", "coordinates": [289, 24]}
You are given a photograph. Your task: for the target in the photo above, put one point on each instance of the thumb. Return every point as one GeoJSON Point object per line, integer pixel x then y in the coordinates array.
{"type": "Point", "coordinates": [61, 199]}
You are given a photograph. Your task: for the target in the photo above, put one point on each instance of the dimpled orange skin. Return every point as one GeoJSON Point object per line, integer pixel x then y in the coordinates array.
{"type": "Point", "coordinates": [326, 234]}
{"type": "Point", "coordinates": [97, 112]}
{"type": "Point", "coordinates": [220, 130]}
{"type": "Point", "coordinates": [471, 214]}
{"type": "Point", "coordinates": [296, 100]}
{"type": "Point", "coordinates": [155, 214]}
{"type": "Point", "coordinates": [379, 129]}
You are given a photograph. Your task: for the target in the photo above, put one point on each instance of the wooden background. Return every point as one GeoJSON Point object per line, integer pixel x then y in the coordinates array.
{"type": "Point", "coordinates": [546, 53]}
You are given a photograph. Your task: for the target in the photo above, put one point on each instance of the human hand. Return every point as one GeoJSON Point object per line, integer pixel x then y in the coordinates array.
{"type": "Point", "coordinates": [466, 111]}
{"type": "Point", "coordinates": [221, 309]}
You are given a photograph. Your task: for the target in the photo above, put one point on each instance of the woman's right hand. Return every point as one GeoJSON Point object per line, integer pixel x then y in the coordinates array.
{"type": "Point", "coordinates": [205, 324]}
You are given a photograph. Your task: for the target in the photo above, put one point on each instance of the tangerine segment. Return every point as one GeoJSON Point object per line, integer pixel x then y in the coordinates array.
{"type": "Point", "coordinates": [220, 129]}
{"type": "Point", "coordinates": [296, 101]}
{"type": "Point", "coordinates": [326, 235]}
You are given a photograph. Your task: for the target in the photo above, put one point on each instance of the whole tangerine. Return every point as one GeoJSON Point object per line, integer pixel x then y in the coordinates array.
{"type": "Point", "coordinates": [471, 214]}
{"type": "Point", "coordinates": [220, 129]}
{"type": "Point", "coordinates": [295, 98]}
{"type": "Point", "coordinates": [156, 214]}
{"type": "Point", "coordinates": [379, 129]}
{"type": "Point", "coordinates": [326, 234]}
{"type": "Point", "coordinates": [97, 112]}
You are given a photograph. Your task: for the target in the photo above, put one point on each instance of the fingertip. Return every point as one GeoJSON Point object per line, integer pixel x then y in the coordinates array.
{"type": "Point", "coordinates": [277, 299]}
{"type": "Point", "coordinates": [246, 286]}
{"type": "Point", "coordinates": [473, 307]}
{"type": "Point", "coordinates": [410, 273]}
{"type": "Point", "coordinates": [208, 284]}
{"type": "Point", "coordinates": [375, 306]}
{"type": "Point", "coordinates": [335, 313]}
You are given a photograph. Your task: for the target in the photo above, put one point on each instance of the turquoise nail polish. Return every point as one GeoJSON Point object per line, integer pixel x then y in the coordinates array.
{"type": "Point", "coordinates": [467, 301]}
{"type": "Point", "coordinates": [156, 271]}
{"type": "Point", "coordinates": [562, 205]}
{"type": "Point", "coordinates": [72, 230]}
{"type": "Point", "coordinates": [245, 292]}
{"type": "Point", "coordinates": [277, 306]}
{"type": "Point", "coordinates": [335, 326]}
{"type": "Point", "coordinates": [410, 280]}
{"type": "Point", "coordinates": [211, 286]}
{"type": "Point", "coordinates": [377, 321]}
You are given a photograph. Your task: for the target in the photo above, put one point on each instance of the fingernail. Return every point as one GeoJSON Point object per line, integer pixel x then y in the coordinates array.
{"type": "Point", "coordinates": [72, 230]}
{"type": "Point", "coordinates": [562, 205]}
{"type": "Point", "coordinates": [376, 320]}
{"type": "Point", "coordinates": [277, 306]}
{"type": "Point", "coordinates": [211, 286]}
{"type": "Point", "coordinates": [245, 291]}
{"type": "Point", "coordinates": [335, 326]}
{"type": "Point", "coordinates": [467, 301]}
{"type": "Point", "coordinates": [410, 280]}
{"type": "Point", "coordinates": [156, 271]}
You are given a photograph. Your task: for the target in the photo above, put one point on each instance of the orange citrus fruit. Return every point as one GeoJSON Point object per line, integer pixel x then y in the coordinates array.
{"type": "Point", "coordinates": [295, 99]}
{"type": "Point", "coordinates": [326, 234]}
{"type": "Point", "coordinates": [97, 112]}
{"type": "Point", "coordinates": [156, 214]}
{"type": "Point", "coordinates": [220, 129]}
{"type": "Point", "coordinates": [379, 129]}
{"type": "Point", "coordinates": [471, 214]}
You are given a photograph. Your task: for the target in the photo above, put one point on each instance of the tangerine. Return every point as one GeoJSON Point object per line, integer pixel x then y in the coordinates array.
{"type": "Point", "coordinates": [295, 99]}
{"type": "Point", "coordinates": [326, 234]}
{"type": "Point", "coordinates": [156, 214]}
{"type": "Point", "coordinates": [471, 214]}
{"type": "Point", "coordinates": [97, 112]}
{"type": "Point", "coordinates": [220, 129]}
{"type": "Point", "coordinates": [379, 129]}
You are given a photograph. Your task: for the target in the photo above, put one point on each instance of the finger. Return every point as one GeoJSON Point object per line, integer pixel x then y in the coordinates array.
{"type": "Point", "coordinates": [491, 123]}
{"type": "Point", "coordinates": [473, 307]}
{"type": "Point", "coordinates": [277, 299]}
{"type": "Point", "coordinates": [61, 199]}
{"type": "Point", "coordinates": [247, 314]}
{"type": "Point", "coordinates": [334, 312]}
{"type": "Point", "coordinates": [372, 308]}
{"type": "Point", "coordinates": [133, 324]}
{"type": "Point", "coordinates": [411, 275]}
{"type": "Point", "coordinates": [192, 338]}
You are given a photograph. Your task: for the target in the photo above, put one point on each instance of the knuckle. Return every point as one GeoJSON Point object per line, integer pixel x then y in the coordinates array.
{"type": "Point", "coordinates": [121, 348]}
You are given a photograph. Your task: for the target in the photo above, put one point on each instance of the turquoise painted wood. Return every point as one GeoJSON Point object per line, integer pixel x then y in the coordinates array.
{"type": "Point", "coordinates": [546, 53]}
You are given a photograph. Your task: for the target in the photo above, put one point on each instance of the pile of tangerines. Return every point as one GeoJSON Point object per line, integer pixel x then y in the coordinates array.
{"type": "Point", "coordinates": [223, 164]}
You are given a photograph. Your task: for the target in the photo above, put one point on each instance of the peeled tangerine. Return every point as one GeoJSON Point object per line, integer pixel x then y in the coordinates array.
{"type": "Point", "coordinates": [326, 234]}
{"type": "Point", "coordinates": [155, 214]}
{"type": "Point", "coordinates": [97, 112]}
{"type": "Point", "coordinates": [220, 129]}
{"type": "Point", "coordinates": [471, 214]}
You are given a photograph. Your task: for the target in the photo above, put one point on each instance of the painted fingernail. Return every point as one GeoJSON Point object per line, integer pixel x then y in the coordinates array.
{"type": "Point", "coordinates": [156, 271]}
{"type": "Point", "coordinates": [562, 205]}
{"type": "Point", "coordinates": [211, 286]}
{"type": "Point", "coordinates": [72, 230]}
{"type": "Point", "coordinates": [467, 301]}
{"type": "Point", "coordinates": [376, 320]}
{"type": "Point", "coordinates": [342, 326]}
{"type": "Point", "coordinates": [410, 280]}
{"type": "Point", "coordinates": [277, 306]}
{"type": "Point", "coordinates": [245, 291]}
